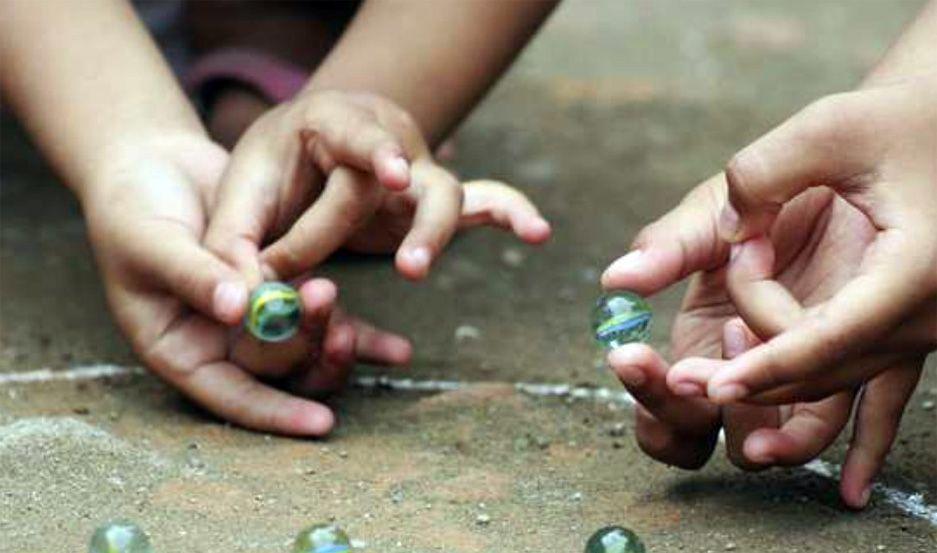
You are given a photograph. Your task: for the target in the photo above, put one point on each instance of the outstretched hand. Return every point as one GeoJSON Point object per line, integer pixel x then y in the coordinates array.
{"type": "Point", "coordinates": [875, 149]}
{"type": "Point", "coordinates": [819, 240]}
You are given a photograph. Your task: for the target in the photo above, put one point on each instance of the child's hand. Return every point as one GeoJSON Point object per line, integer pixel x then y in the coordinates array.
{"type": "Point", "coordinates": [875, 148]}
{"type": "Point", "coordinates": [146, 216]}
{"type": "Point", "coordinates": [677, 425]}
{"type": "Point", "coordinates": [305, 174]}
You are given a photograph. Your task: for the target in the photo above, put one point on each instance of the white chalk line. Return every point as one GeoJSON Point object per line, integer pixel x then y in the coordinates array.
{"type": "Point", "coordinates": [911, 504]}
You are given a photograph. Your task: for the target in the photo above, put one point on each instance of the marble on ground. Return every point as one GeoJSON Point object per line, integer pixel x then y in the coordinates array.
{"type": "Point", "coordinates": [615, 111]}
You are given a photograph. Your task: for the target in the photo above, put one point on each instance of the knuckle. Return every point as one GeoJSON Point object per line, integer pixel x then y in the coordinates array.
{"type": "Point", "coordinates": [737, 457]}
{"type": "Point", "coordinates": [771, 368]}
{"type": "Point", "coordinates": [286, 258]}
{"type": "Point", "coordinates": [645, 237]}
{"type": "Point", "coordinates": [747, 181]}
{"type": "Point", "coordinates": [655, 444]}
{"type": "Point", "coordinates": [832, 121]}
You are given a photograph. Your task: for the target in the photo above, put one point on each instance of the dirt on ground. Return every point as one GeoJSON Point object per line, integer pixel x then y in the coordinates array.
{"type": "Point", "coordinates": [607, 120]}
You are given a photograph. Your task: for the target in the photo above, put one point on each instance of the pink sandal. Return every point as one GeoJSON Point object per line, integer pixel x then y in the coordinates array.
{"type": "Point", "coordinates": [274, 79]}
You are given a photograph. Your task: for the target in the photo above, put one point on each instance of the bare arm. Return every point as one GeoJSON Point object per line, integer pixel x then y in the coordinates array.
{"type": "Point", "coordinates": [88, 82]}
{"type": "Point", "coordinates": [434, 59]}
{"type": "Point", "coordinates": [914, 53]}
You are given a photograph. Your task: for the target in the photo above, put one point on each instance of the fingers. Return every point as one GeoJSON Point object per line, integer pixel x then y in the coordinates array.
{"type": "Point", "coordinates": [192, 273]}
{"type": "Point", "coordinates": [673, 430]}
{"type": "Point", "coordinates": [374, 345]}
{"type": "Point", "coordinates": [861, 314]}
{"type": "Point", "coordinates": [678, 244]}
{"type": "Point", "coordinates": [247, 196]}
{"type": "Point", "coordinates": [664, 442]}
{"type": "Point", "coordinates": [740, 421]}
{"type": "Point", "coordinates": [825, 144]}
{"type": "Point", "coordinates": [766, 306]}
{"type": "Point", "coordinates": [227, 391]}
{"type": "Point", "coordinates": [496, 204]}
{"type": "Point", "coordinates": [844, 376]}
{"type": "Point", "coordinates": [348, 200]}
{"type": "Point", "coordinates": [365, 133]}
{"type": "Point", "coordinates": [878, 415]}
{"type": "Point", "coordinates": [769, 309]}
{"type": "Point", "coordinates": [810, 430]}
{"type": "Point", "coordinates": [361, 143]}
{"type": "Point", "coordinates": [434, 222]}
{"type": "Point", "coordinates": [348, 340]}
{"type": "Point", "coordinates": [189, 354]}
{"type": "Point", "coordinates": [330, 371]}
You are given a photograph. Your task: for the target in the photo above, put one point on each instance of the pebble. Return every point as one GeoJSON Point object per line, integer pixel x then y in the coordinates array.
{"type": "Point", "coordinates": [483, 519]}
{"type": "Point", "coordinates": [731, 546]}
{"type": "Point", "coordinates": [928, 405]}
{"type": "Point", "coordinates": [512, 257]}
{"type": "Point", "coordinates": [617, 430]}
{"type": "Point", "coordinates": [467, 332]}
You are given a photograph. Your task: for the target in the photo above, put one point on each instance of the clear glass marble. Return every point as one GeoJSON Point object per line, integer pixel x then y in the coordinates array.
{"type": "Point", "coordinates": [120, 536]}
{"type": "Point", "coordinates": [274, 312]}
{"type": "Point", "coordinates": [322, 538]}
{"type": "Point", "coordinates": [621, 318]}
{"type": "Point", "coordinates": [614, 539]}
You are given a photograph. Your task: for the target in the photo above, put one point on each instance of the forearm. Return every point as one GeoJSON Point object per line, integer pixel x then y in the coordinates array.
{"type": "Point", "coordinates": [88, 82]}
{"type": "Point", "coordinates": [434, 59]}
{"type": "Point", "coordinates": [915, 52]}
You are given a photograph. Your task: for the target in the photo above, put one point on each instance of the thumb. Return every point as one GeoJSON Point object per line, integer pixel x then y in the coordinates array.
{"type": "Point", "coordinates": [181, 265]}
{"type": "Point", "coordinates": [826, 144]}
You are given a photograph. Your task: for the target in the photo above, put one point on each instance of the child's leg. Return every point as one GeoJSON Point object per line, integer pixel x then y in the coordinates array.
{"type": "Point", "coordinates": [297, 35]}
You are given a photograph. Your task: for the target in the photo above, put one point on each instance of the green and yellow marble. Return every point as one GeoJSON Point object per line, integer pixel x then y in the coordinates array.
{"type": "Point", "coordinates": [621, 318]}
{"type": "Point", "coordinates": [322, 538]}
{"type": "Point", "coordinates": [274, 312]}
{"type": "Point", "coordinates": [614, 539]}
{"type": "Point", "coordinates": [120, 536]}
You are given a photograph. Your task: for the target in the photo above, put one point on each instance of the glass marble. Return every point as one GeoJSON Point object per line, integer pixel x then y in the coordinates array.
{"type": "Point", "coordinates": [621, 318]}
{"type": "Point", "coordinates": [322, 538]}
{"type": "Point", "coordinates": [274, 312]}
{"type": "Point", "coordinates": [614, 539]}
{"type": "Point", "coordinates": [120, 536]}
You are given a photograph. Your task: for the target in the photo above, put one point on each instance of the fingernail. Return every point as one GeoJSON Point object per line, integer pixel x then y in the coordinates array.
{"type": "Point", "coordinates": [734, 251]}
{"type": "Point", "coordinates": [729, 393]}
{"type": "Point", "coordinates": [729, 223]}
{"type": "Point", "coordinates": [399, 167]}
{"type": "Point", "coordinates": [419, 257]}
{"type": "Point", "coordinates": [229, 300]}
{"type": "Point", "coordinates": [735, 341]}
{"type": "Point", "coordinates": [626, 264]}
{"type": "Point", "coordinates": [540, 227]}
{"type": "Point", "coordinates": [757, 450]}
{"type": "Point", "coordinates": [865, 496]}
{"type": "Point", "coordinates": [687, 389]}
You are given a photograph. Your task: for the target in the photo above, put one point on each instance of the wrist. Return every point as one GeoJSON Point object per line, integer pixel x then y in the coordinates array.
{"type": "Point", "coordinates": [184, 151]}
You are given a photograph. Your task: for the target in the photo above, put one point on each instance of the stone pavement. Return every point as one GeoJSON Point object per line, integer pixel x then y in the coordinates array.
{"type": "Point", "coordinates": [616, 111]}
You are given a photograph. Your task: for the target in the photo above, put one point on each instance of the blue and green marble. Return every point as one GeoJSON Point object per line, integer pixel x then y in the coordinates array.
{"type": "Point", "coordinates": [120, 536]}
{"type": "Point", "coordinates": [621, 318]}
{"type": "Point", "coordinates": [322, 538]}
{"type": "Point", "coordinates": [614, 539]}
{"type": "Point", "coordinates": [274, 312]}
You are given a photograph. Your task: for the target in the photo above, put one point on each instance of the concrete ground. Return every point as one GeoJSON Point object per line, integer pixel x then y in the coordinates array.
{"type": "Point", "coordinates": [616, 110]}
